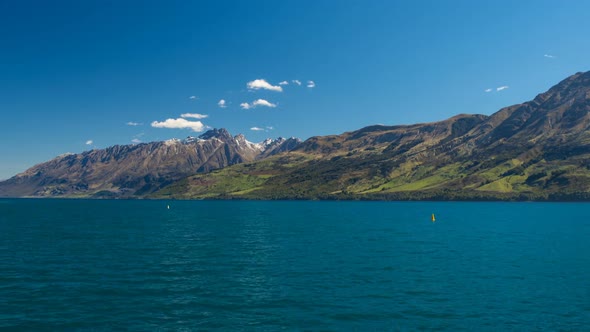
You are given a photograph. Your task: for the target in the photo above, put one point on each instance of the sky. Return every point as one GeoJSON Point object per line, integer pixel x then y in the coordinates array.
{"type": "Point", "coordinates": [81, 75]}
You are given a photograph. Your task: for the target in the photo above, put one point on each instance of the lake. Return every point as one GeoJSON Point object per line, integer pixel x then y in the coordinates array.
{"type": "Point", "coordinates": [293, 265]}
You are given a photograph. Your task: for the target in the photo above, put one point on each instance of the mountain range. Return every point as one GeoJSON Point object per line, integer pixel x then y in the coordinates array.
{"type": "Point", "coordinates": [537, 150]}
{"type": "Point", "coordinates": [139, 169]}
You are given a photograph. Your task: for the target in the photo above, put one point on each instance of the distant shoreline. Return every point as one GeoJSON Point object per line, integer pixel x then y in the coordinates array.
{"type": "Point", "coordinates": [409, 197]}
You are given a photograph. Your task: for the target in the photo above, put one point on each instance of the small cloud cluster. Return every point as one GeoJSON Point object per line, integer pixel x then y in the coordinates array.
{"type": "Point", "coordinates": [310, 84]}
{"type": "Point", "coordinates": [267, 128]}
{"type": "Point", "coordinates": [256, 103]}
{"type": "Point", "coordinates": [549, 56]}
{"type": "Point", "coordinates": [263, 84]}
{"type": "Point", "coordinates": [498, 89]}
{"type": "Point", "coordinates": [194, 115]}
{"type": "Point", "coordinates": [198, 126]}
{"type": "Point", "coordinates": [89, 142]}
{"type": "Point", "coordinates": [134, 124]}
{"type": "Point", "coordinates": [179, 123]}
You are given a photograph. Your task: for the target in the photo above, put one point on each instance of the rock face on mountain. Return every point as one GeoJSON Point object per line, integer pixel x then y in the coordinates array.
{"type": "Point", "coordinates": [395, 140]}
{"type": "Point", "coordinates": [280, 145]}
{"type": "Point", "coordinates": [535, 150]}
{"type": "Point", "coordinates": [135, 170]}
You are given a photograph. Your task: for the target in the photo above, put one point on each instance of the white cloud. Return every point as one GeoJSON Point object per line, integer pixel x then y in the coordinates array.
{"type": "Point", "coordinates": [135, 141]}
{"type": "Point", "coordinates": [270, 128]}
{"type": "Point", "coordinates": [256, 103]}
{"type": "Point", "coordinates": [262, 102]}
{"type": "Point", "coordinates": [503, 87]}
{"type": "Point", "coordinates": [180, 124]}
{"type": "Point", "coordinates": [284, 83]}
{"type": "Point", "coordinates": [263, 84]}
{"type": "Point", "coordinates": [549, 56]}
{"type": "Point", "coordinates": [488, 90]}
{"type": "Point", "coordinates": [193, 97]}
{"type": "Point", "coordinates": [296, 82]}
{"type": "Point", "coordinates": [257, 129]}
{"type": "Point", "coordinates": [130, 123]}
{"type": "Point", "coordinates": [194, 115]}
{"type": "Point", "coordinates": [221, 103]}
{"type": "Point", "coordinates": [310, 84]}
{"type": "Point", "coordinates": [89, 142]}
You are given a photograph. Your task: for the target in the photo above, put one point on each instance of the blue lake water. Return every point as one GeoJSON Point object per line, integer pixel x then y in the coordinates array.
{"type": "Point", "coordinates": [268, 266]}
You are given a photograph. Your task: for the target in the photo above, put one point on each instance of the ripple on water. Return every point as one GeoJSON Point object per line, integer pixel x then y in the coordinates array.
{"type": "Point", "coordinates": [116, 265]}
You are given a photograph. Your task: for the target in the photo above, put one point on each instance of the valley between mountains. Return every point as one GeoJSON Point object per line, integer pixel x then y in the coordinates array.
{"type": "Point", "coordinates": [537, 150]}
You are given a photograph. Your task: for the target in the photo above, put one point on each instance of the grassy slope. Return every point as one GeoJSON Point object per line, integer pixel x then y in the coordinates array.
{"type": "Point", "coordinates": [373, 176]}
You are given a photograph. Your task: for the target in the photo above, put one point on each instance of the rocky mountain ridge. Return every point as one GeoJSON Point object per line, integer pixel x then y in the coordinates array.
{"type": "Point", "coordinates": [138, 169]}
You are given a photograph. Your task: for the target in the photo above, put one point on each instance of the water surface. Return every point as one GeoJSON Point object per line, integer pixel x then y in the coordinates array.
{"type": "Point", "coordinates": [267, 266]}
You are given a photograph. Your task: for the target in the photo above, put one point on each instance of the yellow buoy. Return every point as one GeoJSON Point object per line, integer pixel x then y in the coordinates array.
{"type": "Point", "coordinates": [433, 219]}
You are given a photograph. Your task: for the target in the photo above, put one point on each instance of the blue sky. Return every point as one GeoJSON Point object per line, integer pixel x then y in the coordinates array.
{"type": "Point", "coordinates": [76, 75]}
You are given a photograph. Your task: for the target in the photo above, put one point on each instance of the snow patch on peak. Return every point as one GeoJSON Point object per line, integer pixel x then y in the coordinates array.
{"type": "Point", "coordinates": [243, 143]}
{"type": "Point", "coordinates": [240, 139]}
{"type": "Point", "coordinates": [271, 143]}
{"type": "Point", "coordinates": [171, 141]}
{"type": "Point", "coordinates": [64, 155]}
{"type": "Point", "coordinates": [191, 139]}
